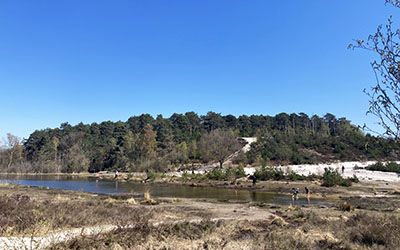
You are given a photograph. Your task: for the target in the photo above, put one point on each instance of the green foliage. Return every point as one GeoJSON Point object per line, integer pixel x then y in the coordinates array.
{"type": "Point", "coordinates": [186, 176]}
{"type": "Point", "coordinates": [302, 140]}
{"type": "Point", "coordinates": [388, 167]}
{"type": "Point", "coordinates": [293, 176]}
{"type": "Point", "coordinates": [332, 178]}
{"type": "Point", "coordinates": [153, 175]}
{"type": "Point", "coordinates": [225, 174]}
{"type": "Point", "coordinates": [239, 172]}
{"type": "Point", "coordinates": [269, 173]}
{"type": "Point", "coordinates": [143, 142]}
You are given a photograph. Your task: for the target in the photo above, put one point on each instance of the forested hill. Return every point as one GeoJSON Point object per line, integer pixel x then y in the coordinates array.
{"type": "Point", "coordinates": [144, 142]}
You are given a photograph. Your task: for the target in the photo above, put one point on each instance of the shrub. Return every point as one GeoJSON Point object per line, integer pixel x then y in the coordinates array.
{"type": "Point", "coordinates": [375, 230]}
{"type": "Point", "coordinates": [354, 179]}
{"type": "Point", "coordinates": [295, 177]}
{"type": "Point", "coordinates": [224, 174]}
{"type": "Point", "coordinates": [332, 178]}
{"type": "Point", "coordinates": [346, 207]}
{"type": "Point", "coordinates": [152, 175]}
{"type": "Point", "coordinates": [216, 174]}
{"type": "Point", "coordinates": [388, 167]}
{"type": "Point", "coordinates": [239, 172]}
{"type": "Point", "coordinates": [268, 173]}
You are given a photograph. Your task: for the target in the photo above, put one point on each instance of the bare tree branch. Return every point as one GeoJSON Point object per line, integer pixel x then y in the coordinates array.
{"type": "Point", "coordinates": [385, 94]}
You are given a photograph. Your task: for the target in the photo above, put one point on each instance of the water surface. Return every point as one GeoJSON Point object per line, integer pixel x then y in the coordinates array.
{"type": "Point", "coordinates": [113, 187]}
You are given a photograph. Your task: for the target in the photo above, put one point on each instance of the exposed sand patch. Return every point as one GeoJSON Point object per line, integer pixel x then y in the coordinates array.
{"type": "Point", "coordinates": [349, 170]}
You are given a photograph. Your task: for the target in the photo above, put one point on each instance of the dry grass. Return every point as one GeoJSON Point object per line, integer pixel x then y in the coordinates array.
{"type": "Point", "coordinates": [147, 200]}
{"type": "Point", "coordinates": [374, 231]}
{"type": "Point", "coordinates": [23, 211]}
{"type": "Point", "coordinates": [303, 229]}
{"type": "Point", "coordinates": [146, 195]}
{"type": "Point", "coordinates": [382, 204]}
{"type": "Point", "coordinates": [23, 215]}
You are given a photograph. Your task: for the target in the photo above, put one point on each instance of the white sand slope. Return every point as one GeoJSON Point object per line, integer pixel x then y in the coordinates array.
{"type": "Point", "coordinates": [249, 141]}
{"type": "Point", "coordinates": [246, 148]}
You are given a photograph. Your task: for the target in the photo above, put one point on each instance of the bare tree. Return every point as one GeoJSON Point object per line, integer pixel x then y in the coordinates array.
{"type": "Point", "coordinates": [218, 145]}
{"type": "Point", "coordinates": [14, 148]}
{"type": "Point", "coordinates": [395, 3]}
{"type": "Point", "coordinates": [385, 94]}
{"type": "Point", "coordinates": [74, 159]}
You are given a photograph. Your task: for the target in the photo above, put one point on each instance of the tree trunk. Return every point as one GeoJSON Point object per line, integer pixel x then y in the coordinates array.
{"type": "Point", "coordinates": [11, 159]}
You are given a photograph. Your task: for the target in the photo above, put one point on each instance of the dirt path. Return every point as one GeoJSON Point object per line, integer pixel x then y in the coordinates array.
{"type": "Point", "coordinates": [41, 242]}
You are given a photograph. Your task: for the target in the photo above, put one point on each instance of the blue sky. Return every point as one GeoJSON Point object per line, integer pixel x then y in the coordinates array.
{"type": "Point", "coordinates": [99, 60]}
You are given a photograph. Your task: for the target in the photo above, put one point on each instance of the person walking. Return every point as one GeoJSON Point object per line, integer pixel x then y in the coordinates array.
{"type": "Point", "coordinates": [254, 179]}
{"type": "Point", "coordinates": [116, 174]}
{"type": "Point", "coordinates": [295, 195]}
{"type": "Point", "coordinates": [307, 194]}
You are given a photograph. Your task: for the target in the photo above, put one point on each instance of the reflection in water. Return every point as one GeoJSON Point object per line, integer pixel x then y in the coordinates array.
{"type": "Point", "coordinates": [253, 195]}
{"type": "Point", "coordinates": [156, 189]}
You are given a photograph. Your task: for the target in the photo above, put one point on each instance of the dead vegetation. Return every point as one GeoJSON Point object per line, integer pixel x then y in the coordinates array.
{"type": "Point", "coordinates": [382, 204]}
{"type": "Point", "coordinates": [290, 229]}
{"type": "Point", "coordinates": [26, 211]}
{"type": "Point", "coordinates": [39, 214]}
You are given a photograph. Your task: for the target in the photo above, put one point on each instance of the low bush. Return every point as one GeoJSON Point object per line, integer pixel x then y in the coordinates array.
{"type": "Point", "coordinates": [189, 176]}
{"type": "Point", "coordinates": [346, 207]}
{"type": "Point", "coordinates": [332, 178]}
{"type": "Point", "coordinates": [369, 230]}
{"type": "Point", "coordinates": [225, 174]}
{"type": "Point", "coordinates": [388, 167]}
{"type": "Point", "coordinates": [269, 173]}
{"type": "Point", "coordinates": [152, 175]}
{"type": "Point", "coordinates": [295, 176]}
{"type": "Point", "coordinates": [354, 179]}
{"type": "Point", "coordinates": [21, 214]}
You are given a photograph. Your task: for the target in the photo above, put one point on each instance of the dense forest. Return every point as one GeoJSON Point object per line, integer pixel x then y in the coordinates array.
{"type": "Point", "coordinates": [144, 142]}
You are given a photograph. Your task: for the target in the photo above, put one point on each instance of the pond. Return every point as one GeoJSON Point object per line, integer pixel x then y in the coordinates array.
{"type": "Point", "coordinates": [112, 187]}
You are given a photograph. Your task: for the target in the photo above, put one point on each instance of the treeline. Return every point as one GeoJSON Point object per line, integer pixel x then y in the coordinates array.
{"type": "Point", "coordinates": [144, 142]}
{"type": "Point", "coordinates": [319, 140]}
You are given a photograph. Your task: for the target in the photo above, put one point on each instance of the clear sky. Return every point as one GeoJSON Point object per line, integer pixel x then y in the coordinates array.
{"type": "Point", "coordinates": [96, 60]}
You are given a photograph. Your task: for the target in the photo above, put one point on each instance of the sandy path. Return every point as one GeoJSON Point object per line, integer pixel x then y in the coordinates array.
{"type": "Point", "coordinates": [41, 242]}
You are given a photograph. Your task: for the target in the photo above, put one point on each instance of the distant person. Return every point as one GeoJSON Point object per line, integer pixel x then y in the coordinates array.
{"type": "Point", "coordinates": [295, 195]}
{"type": "Point", "coordinates": [254, 179]}
{"type": "Point", "coordinates": [116, 174]}
{"type": "Point", "coordinates": [342, 170]}
{"type": "Point", "coordinates": [307, 194]}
